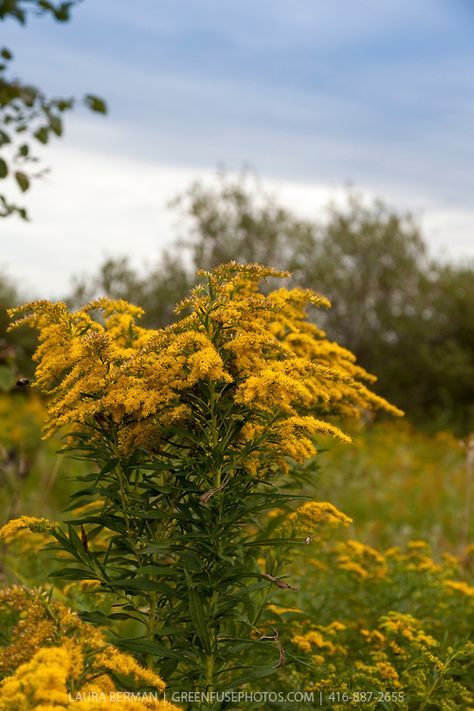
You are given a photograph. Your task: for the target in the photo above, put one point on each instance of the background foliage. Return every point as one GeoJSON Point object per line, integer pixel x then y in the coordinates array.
{"type": "Point", "coordinates": [27, 114]}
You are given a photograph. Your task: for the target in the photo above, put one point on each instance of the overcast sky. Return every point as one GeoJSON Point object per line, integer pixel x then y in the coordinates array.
{"type": "Point", "coordinates": [312, 93]}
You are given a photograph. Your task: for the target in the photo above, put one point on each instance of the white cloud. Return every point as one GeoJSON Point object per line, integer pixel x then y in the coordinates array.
{"type": "Point", "coordinates": [94, 205]}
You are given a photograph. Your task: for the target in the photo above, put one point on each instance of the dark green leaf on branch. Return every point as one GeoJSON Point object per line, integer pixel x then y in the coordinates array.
{"type": "Point", "coordinates": [23, 181]}
{"type": "Point", "coordinates": [95, 103]}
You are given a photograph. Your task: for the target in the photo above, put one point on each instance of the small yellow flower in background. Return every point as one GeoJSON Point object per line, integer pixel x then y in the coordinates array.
{"type": "Point", "coordinates": [351, 566]}
{"type": "Point", "coordinates": [308, 518]}
{"type": "Point", "coordinates": [318, 638]}
{"type": "Point", "coordinates": [280, 610]}
{"type": "Point", "coordinates": [406, 626]}
{"type": "Point", "coordinates": [361, 559]}
{"type": "Point", "coordinates": [83, 585]}
{"type": "Point", "coordinates": [459, 586]}
{"type": "Point", "coordinates": [418, 545]}
{"type": "Point", "coordinates": [374, 637]}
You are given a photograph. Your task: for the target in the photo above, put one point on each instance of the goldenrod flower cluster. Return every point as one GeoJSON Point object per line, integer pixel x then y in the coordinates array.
{"type": "Point", "coordinates": [55, 660]}
{"type": "Point", "coordinates": [258, 350]}
{"type": "Point", "coordinates": [322, 638]}
{"type": "Point", "coordinates": [308, 519]}
{"type": "Point", "coordinates": [37, 525]}
{"type": "Point", "coordinates": [360, 559]}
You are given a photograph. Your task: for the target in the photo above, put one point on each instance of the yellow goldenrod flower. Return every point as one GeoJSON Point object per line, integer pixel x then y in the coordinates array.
{"type": "Point", "coordinates": [280, 371]}
{"type": "Point", "coordinates": [37, 525]}
{"type": "Point", "coordinates": [308, 518]}
{"type": "Point", "coordinates": [52, 650]}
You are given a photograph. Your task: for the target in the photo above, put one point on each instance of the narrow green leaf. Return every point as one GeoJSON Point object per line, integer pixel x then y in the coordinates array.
{"type": "Point", "coordinates": [95, 617]}
{"type": "Point", "coordinates": [255, 673]}
{"type": "Point", "coordinates": [165, 570]}
{"type": "Point", "coordinates": [196, 611]}
{"type": "Point", "coordinates": [147, 647]}
{"type": "Point", "coordinates": [72, 574]}
{"type": "Point", "coordinates": [139, 584]}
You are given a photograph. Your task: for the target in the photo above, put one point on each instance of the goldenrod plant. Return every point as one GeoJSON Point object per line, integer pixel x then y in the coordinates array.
{"type": "Point", "coordinates": [52, 660]}
{"type": "Point", "coordinates": [194, 433]}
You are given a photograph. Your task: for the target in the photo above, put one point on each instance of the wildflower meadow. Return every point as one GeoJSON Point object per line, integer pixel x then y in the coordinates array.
{"type": "Point", "coordinates": [209, 542]}
{"type": "Point", "coordinates": [236, 402]}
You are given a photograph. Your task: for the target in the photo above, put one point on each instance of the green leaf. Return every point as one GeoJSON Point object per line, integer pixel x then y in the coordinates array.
{"type": "Point", "coordinates": [64, 104]}
{"type": "Point", "coordinates": [256, 673]}
{"type": "Point", "coordinates": [56, 125]}
{"type": "Point", "coordinates": [191, 561]}
{"type": "Point", "coordinates": [6, 54]}
{"type": "Point", "coordinates": [274, 542]}
{"type": "Point", "coordinates": [165, 570]}
{"type": "Point", "coordinates": [3, 168]}
{"type": "Point", "coordinates": [95, 103]}
{"type": "Point", "coordinates": [72, 574]}
{"type": "Point", "coordinates": [42, 135]}
{"type": "Point", "coordinates": [108, 467]}
{"type": "Point", "coordinates": [158, 547]}
{"type": "Point", "coordinates": [62, 13]}
{"type": "Point", "coordinates": [196, 611]}
{"type": "Point", "coordinates": [4, 138]}
{"type": "Point", "coordinates": [137, 585]}
{"type": "Point", "coordinates": [150, 515]}
{"type": "Point", "coordinates": [95, 617]}
{"type": "Point", "coordinates": [147, 647]}
{"type": "Point", "coordinates": [23, 181]}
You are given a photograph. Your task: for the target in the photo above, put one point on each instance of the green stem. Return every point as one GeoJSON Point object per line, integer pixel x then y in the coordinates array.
{"type": "Point", "coordinates": [209, 672]}
{"type": "Point", "coordinates": [151, 626]}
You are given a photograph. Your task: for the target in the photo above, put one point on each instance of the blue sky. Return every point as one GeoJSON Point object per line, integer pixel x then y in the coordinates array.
{"type": "Point", "coordinates": [312, 93]}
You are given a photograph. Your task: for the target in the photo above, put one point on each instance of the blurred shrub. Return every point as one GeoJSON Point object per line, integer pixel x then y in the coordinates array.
{"type": "Point", "coordinates": [397, 483]}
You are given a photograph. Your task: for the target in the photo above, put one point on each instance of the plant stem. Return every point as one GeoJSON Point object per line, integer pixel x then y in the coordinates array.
{"type": "Point", "coordinates": [151, 626]}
